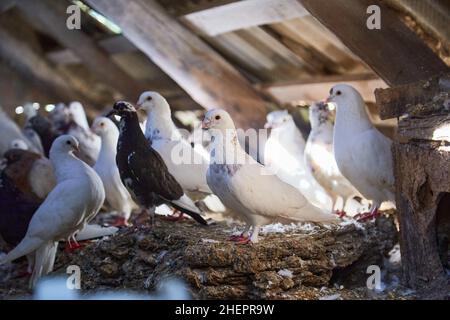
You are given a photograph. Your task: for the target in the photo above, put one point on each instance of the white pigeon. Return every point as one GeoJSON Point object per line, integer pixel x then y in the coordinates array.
{"type": "Point", "coordinates": [319, 156]}
{"type": "Point", "coordinates": [10, 131]}
{"type": "Point", "coordinates": [75, 200]}
{"type": "Point", "coordinates": [184, 162]}
{"type": "Point", "coordinates": [284, 154]}
{"type": "Point", "coordinates": [89, 142]}
{"type": "Point", "coordinates": [117, 195]}
{"type": "Point", "coordinates": [18, 144]}
{"type": "Point", "coordinates": [247, 187]}
{"type": "Point", "coordinates": [363, 154]}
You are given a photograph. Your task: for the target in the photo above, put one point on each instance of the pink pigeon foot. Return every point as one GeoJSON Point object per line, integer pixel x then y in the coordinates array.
{"type": "Point", "coordinates": [176, 216]}
{"type": "Point", "coordinates": [119, 222]}
{"type": "Point", "coordinates": [361, 217]}
{"type": "Point", "coordinates": [340, 213]}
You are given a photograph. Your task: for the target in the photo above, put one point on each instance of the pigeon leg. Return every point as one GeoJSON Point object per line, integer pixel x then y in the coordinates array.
{"type": "Point", "coordinates": [242, 236]}
{"type": "Point", "coordinates": [177, 215]}
{"type": "Point", "coordinates": [152, 216]}
{"type": "Point", "coordinates": [374, 213]}
{"type": "Point", "coordinates": [255, 234]}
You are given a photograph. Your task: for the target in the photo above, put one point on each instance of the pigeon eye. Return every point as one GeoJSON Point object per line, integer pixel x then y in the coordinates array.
{"type": "Point", "coordinates": [102, 124]}
{"type": "Point", "coordinates": [149, 98]}
{"type": "Point", "coordinates": [217, 117]}
{"type": "Point", "coordinates": [68, 142]}
{"type": "Point", "coordinates": [338, 93]}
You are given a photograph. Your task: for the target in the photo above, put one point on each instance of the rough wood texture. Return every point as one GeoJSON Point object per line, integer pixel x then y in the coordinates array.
{"type": "Point", "coordinates": [410, 99]}
{"type": "Point", "coordinates": [52, 16]}
{"type": "Point", "coordinates": [215, 268]}
{"type": "Point", "coordinates": [422, 174]}
{"type": "Point", "coordinates": [200, 71]}
{"type": "Point", "coordinates": [394, 52]}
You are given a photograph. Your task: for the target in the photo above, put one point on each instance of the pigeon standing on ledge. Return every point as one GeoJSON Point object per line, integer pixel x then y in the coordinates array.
{"type": "Point", "coordinates": [76, 199]}
{"type": "Point", "coordinates": [245, 186]}
{"type": "Point", "coordinates": [142, 169]}
{"type": "Point", "coordinates": [117, 195]}
{"type": "Point", "coordinates": [284, 154]}
{"type": "Point", "coordinates": [319, 156]}
{"type": "Point", "coordinates": [363, 154]}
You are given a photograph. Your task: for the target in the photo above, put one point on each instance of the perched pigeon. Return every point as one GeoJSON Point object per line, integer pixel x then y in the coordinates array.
{"type": "Point", "coordinates": [117, 195]}
{"type": "Point", "coordinates": [46, 131]}
{"type": "Point", "coordinates": [142, 169]}
{"type": "Point", "coordinates": [9, 131]}
{"type": "Point", "coordinates": [319, 156]}
{"type": "Point", "coordinates": [18, 144]}
{"type": "Point", "coordinates": [362, 153]}
{"type": "Point", "coordinates": [79, 128]}
{"type": "Point", "coordinates": [30, 172]}
{"type": "Point", "coordinates": [75, 200]}
{"type": "Point", "coordinates": [284, 154]}
{"type": "Point", "coordinates": [247, 187]}
{"type": "Point", "coordinates": [185, 163]}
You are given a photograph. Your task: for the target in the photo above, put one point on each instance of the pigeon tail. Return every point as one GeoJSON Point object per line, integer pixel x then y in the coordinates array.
{"type": "Point", "coordinates": [26, 246]}
{"type": "Point", "coordinates": [45, 259]}
{"type": "Point", "coordinates": [186, 205]}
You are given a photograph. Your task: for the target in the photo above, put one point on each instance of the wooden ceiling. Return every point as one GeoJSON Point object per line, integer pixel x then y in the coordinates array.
{"type": "Point", "coordinates": [282, 52]}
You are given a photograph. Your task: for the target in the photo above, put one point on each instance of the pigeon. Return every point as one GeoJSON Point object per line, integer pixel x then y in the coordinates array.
{"type": "Point", "coordinates": [247, 187]}
{"type": "Point", "coordinates": [76, 199]}
{"type": "Point", "coordinates": [90, 143]}
{"type": "Point", "coordinates": [184, 161]}
{"type": "Point", "coordinates": [30, 172]}
{"type": "Point", "coordinates": [46, 131]}
{"type": "Point", "coordinates": [363, 154]}
{"type": "Point", "coordinates": [18, 144]}
{"type": "Point", "coordinates": [284, 154]}
{"type": "Point", "coordinates": [117, 195]}
{"type": "Point", "coordinates": [142, 169]}
{"type": "Point", "coordinates": [10, 131]}
{"type": "Point", "coordinates": [319, 157]}
{"type": "Point", "coordinates": [78, 115]}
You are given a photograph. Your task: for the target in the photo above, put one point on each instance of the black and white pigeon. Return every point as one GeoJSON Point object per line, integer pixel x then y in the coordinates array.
{"type": "Point", "coordinates": [142, 169]}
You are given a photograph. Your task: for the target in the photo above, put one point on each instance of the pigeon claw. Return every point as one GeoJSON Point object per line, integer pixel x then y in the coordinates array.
{"type": "Point", "coordinates": [362, 217]}
{"type": "Point", "coordinates": [240, 239]}
{"type": "Point", "coordinates": [340, 213]}
{"type": "Point", "coordinates": [119, 222]}
{"type": "Point", "coordinates": [176, 216]}
{"type": "Point", "coordinates": [71, 247]}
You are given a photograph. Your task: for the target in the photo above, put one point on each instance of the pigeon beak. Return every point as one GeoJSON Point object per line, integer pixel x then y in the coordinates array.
{"type": "Point", "coordinates": [138, 105]}
{"type": "Point", "coordinates": [328, 100]}
{"type": "Point", "coordinates": [76, 148]}
{"type": "Point", "coordinates": [268, 126]}
{"type": "Point", "coordinates": [206, 124]}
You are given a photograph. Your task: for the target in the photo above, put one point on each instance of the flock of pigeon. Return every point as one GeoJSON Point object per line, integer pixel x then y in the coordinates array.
{"type": "Point", "coordinates": [58, 172]}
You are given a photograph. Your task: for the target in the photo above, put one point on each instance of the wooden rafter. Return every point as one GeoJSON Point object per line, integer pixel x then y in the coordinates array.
{"type": "Point", "coordinates": [200, 71]}
{"type": "Point", "coordinates": [52, 16]}
{"type": "Point", "coordinates": [394, 52]}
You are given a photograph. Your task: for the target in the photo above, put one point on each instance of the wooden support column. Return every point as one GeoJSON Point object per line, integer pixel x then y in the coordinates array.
{"type": "Point", "coordinates": [394, 52]}
{"type": "Point", "coordinates": [422, 174]}
{"type": "Point", "coordinates": [200, 71]}
{"type": "Point", "coordinates": [52, 16]}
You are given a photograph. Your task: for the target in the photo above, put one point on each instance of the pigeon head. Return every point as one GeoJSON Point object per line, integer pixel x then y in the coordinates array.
{"type": "Point", "coordinates": [122, 109]}
{"type": "Point", "coordinates": [14, 155]}
{"type": "Point", "coordinates": [152, 101]}
{"type": "Point", "coordinates": [342, 94]}
{"type": "Point", "coordinates": [277, 119]}
{"type": "Point", "coordinates": [320, 113]}
{"type": "Point", "coordinates": [18, 144]}
{"type": "Point", "coordinates": [102, 126]}
{"type": "Point", "coordinates": [65, 144]}
{"type": "Point", "coordinates": [217, 119]}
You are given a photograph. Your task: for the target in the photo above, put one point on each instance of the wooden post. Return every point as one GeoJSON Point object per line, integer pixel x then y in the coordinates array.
{"type": "Point", "coordinates": [200, 71]}
{"type": "Point", "coordinates": [422, 174]}
{"type": "Point", "coordinates": [52, 16]}
{"type": "Point", "coordinates": [394, 52]}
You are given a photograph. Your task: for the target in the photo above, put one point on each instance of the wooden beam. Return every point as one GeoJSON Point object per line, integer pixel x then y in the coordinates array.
{"type": "Point", "coordinates": [52, 16]}
{"type": "Point", "coordinates": [394, 52]}
{"type": "Point", "coordinates": [209, 79]}
{"type": "Point", "coordinates": [243, 14]}
{"type": "Point", "coordinates": [23, 58]}
{"type": "Point", "coordinates": [317, 88]}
